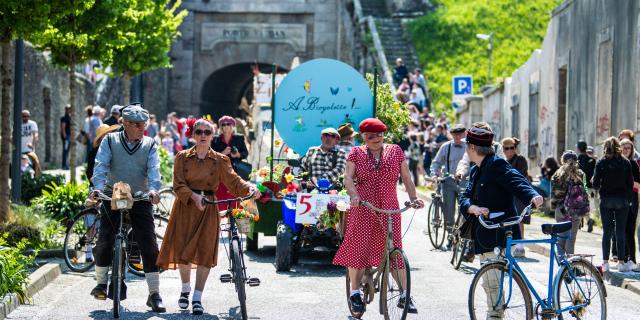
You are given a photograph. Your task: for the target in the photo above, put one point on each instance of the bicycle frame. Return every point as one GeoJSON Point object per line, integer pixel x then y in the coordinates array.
{"type": "Point", "coordinates": [232, 235]}
{"type": "Point", "coordinates": [512, 264]}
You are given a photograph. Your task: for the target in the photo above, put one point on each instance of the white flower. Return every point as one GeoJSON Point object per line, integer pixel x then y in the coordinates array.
{"type": "Point", "coordinates": [342, 206]}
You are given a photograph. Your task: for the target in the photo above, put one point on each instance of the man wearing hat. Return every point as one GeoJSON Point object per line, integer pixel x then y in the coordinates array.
{"type": "Point", "coordinates": [445, 164]}
{"type": "Point", "coordinates": [128, 156]}
{"type": "Point", "coordinates": [347, 135]}
{"type": "Point", "coordinates": [325, 161]}
{"type": "Point", "coordinates": [493, 186]}
{"type": "Point", "coordinates": [115, 115]}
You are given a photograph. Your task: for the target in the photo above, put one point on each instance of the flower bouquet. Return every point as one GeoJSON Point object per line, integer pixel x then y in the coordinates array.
{"type": "Point", "coordinates": [243, 219]}
{"type": "Point", "coordinates": [282, 185]}
{"type": "Point", "coordinates": [331, 216]}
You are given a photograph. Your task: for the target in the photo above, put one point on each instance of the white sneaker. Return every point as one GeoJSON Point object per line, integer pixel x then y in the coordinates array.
{"type": "Point", "coordinates": [622, 267]}
{"type": "Point", "coordinates": [629, 266]}
{"type": "Point", "coordinates": [605, 267]}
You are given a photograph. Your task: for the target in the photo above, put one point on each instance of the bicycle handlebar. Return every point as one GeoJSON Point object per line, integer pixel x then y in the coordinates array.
{"type": "Point", "coordinates": [525, 212]}
{"type": "Point", "coordinates": [138, 196]}
{"type": "Point", "coordinates": [238, 199]}
{"type": "Point", "coordinates": [407, 206]}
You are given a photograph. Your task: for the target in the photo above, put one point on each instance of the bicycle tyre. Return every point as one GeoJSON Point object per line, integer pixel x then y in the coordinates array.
{"type": "Point", "coordinates": [435, 224]}
{"type": "Point", "coordinates": [390, 290]}
{"type": "Point", "coordinates": [70, 245]}
{"type": "Point", "coordinates": [354, 314]}
{"type": "Point", "coordinates": [134, 267]}
{"type": "Point", "coordinates": [458, 245]}
{"type": "Point", "coordinates": [238, 276]}
{"type": "Point", "coordinates": [475, 314]}
{"type": "Point", "coordinates": [167, 198]}
{"type": "Point", "coordinates": [116, 276]}
{"type": "Point", "coordinates": [586, 274]}
{"type": "Point", "coordinates": [160, 225]}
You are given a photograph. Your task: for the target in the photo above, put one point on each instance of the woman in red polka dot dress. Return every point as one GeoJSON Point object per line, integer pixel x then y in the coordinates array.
{"type": "Point", "coordinates": [375, 166]}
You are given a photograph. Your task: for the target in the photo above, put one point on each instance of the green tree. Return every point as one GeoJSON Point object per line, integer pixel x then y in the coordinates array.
{"type": "Point", "coordinates": [390, 111]}
{"type": "Point", "coordinates": [18, 18]}
{"type": "Point", "coordinates": [80, 36]}
{"type": "Point", "coordinates": [445, 39]}
{"type": "Point", "coordinates": [143, 37]}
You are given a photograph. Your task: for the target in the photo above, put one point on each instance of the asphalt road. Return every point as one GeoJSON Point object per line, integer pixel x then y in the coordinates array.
{"type": "Point", "coordinates": [313, 289]}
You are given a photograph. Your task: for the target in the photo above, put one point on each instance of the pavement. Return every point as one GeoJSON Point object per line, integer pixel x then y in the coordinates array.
{"type": "Point", "coordinates": [313, 289]}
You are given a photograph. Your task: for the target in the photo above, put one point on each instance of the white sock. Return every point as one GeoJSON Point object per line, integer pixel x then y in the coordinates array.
{"type": "Point", "coordinates": [403, 294]}
{"type": "Point", "coordinates": [153, 281]}
{"type": "Point", "coordinates": [354, 292]}
{"type": "Point", "coordinates": [102, 275]}
{"type": "Point", "coordinates": [186, 287]}
{"type": "Point", "coordinates": [197, 295]}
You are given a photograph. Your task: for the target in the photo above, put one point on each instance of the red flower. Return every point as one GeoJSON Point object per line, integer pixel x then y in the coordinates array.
{"type": "Point", "coordinates": [190, 122]}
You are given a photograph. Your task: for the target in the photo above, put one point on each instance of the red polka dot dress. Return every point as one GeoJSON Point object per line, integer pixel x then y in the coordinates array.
{"type": "Point", "coordinates": [366, 231]}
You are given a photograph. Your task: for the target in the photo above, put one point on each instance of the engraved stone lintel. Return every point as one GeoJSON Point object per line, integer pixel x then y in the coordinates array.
{"type": "Point", "coordinates": [214, 33]}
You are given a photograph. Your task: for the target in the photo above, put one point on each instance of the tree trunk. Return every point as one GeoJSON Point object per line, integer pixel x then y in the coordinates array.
{"type": "Point", "coordinates": [5, 115]}
{"type": "Point", "coordinates": [72, 125]}
{"type": "Point", "coordinates": [126, 82]}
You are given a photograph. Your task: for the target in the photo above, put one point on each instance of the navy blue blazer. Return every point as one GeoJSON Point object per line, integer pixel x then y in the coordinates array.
{"type": "Point", "coordinates": [497, 184]}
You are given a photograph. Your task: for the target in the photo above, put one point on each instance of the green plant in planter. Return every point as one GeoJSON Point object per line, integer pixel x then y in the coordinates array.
{"type": "Point", "coordinates": [14, 267]}
{"type": "Point", "coordinates": [63, 202]}
{"type": "Point", "coordinates": [32, 187]}
{"type": "Point", "coordinates": [166, 166]}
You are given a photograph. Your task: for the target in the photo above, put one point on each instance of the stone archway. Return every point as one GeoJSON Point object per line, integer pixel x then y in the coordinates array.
{"type": "Point", "coordinates": [223, 90]}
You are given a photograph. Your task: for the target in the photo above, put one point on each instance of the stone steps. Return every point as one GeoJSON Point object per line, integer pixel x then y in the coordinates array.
{"type": "Point", "coordinates": [396, 43]}
{"type": "Point", "coordinates": [375, 8]}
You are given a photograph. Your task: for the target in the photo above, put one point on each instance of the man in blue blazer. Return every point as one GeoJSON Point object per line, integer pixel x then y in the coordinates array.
{"type": "Point", "coordinates": [493, 185]}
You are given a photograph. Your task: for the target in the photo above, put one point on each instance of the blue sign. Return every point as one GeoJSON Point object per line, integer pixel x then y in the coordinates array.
{"type": "Point", "coordinates": [319, 94]}
{"type": "Point", "coordinates": [462, 86]}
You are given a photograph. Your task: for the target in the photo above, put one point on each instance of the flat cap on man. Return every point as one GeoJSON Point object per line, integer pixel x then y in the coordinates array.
{"type": "Point", "coordinates": [331, 131]}
{"type": "Point", "coordinates": [116, 109]}
{"type": "Point", "coordinates": [135, 113]}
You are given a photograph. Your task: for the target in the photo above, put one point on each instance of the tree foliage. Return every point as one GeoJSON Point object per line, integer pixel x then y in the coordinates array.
{"type": "Point", "coordinates": [390, 111]}
{"type": "Point", "coordinates": [445, 39]}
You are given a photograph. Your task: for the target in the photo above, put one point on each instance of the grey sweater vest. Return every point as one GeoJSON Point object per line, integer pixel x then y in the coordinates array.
{"type": "Point", "coordinates": [129, 164]}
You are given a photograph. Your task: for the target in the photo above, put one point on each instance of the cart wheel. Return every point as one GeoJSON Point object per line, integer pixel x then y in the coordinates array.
{"type": "Point", "coordinates": [284, 247]}
{"type": "Point", "coordinates": [252, 244]}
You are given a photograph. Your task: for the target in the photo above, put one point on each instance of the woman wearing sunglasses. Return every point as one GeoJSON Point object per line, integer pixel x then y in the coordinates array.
{"type": "Point", "coordinates": [193, 231]}
{"type": "Point", "coordinates": [518, 162]}
{"type": "Point", "coordinates": [231, 145]}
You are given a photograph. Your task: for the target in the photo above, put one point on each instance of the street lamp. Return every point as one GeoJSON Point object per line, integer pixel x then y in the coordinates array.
{"type": "Point", "coordinates": [488, 37]}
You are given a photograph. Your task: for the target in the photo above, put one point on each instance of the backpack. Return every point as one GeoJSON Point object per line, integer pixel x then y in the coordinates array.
{"type": "Point", "coordinates": [576, 201]}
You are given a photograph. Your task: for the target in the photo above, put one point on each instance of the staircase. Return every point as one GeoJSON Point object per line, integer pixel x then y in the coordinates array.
{"type": "Point", "coordinates": [393, 35]}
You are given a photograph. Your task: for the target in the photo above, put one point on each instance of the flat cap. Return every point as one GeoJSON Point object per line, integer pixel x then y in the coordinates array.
{"type": "Point", "coordinates": [116, 108]}
{"type": "Point", "coordinates": [458, 128]}
{"type": "Point", "coordinates": [479, 137]}
{"type": "Point", "coordinates": [135, 113]}
{"type": "Point", "coordinates": [331, 131]}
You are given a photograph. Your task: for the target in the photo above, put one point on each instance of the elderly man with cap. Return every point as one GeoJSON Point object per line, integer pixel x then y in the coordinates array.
{"type": "Point", "coordinates": [493, 186]}
{"type": "Point", "coordinates": [130, 157]}
{"type": "Point", "coordinates": [325, 161]}
{"type": "Point", "coordinates": [115, 115]}
{"type": "Point", "coordinates": [445, 164]}
{"type": "Point", "coordinates": [347, 137]}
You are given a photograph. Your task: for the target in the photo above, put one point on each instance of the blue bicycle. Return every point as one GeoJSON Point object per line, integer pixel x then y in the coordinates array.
{"type": "Point", "coordinates": [501, 290]}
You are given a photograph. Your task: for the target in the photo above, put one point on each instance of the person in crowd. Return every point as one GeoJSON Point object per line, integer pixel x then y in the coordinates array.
{"type": "Point", "coordinates": [347, 137]}
{"type": "Point", "coordinates": [376, 167]}
{"type": "Point", "coordinates": [65, 136]}
{"type": "Point", "coordinates": [414, 112]}
{"type": "Point", "coordinates": [91, 126]}
{"type": "Point", "coordinates": [325, 161]}
{"type": "Point", "coordinates": [465, 164]}
{"type": "Point", "coordinates": [29, 133]}
{"type": "Point", "coordinates": [231, 145]}
{"type": "Point", "coordinates": [590, 152]}
{"type": "Point", "coordinates": [153, 129]}
{"type": "Point", "coordinates": [510, 148]}
{"type": "Point", "coordinates": [26, 167]}
{"type": "Point", "coordinates": [493, 185]}
{"type": "Point", "coordinates": [414, 156]}
{"type": "Point", "coordinates": [115, 115]}
{"type": "Point", "coordinates": [172, 128]}
{"type": "Point", "coordinates": [102, 131]}
{"type": "Point", "coordinates": [547, 170]}
{"type": "Point", "coordinates": [587, 165]}
{"type": "Point", "coordinates": [128, 156]}
{"type": "Point", "coordinates": [167, 142]}
{"type": "Point", "coordinates": [629, 134]}
{"type": "Point", "coordinates": [445, 164]}
{"type": "Point", "coordinates": [193, 232]}
{"type": "Point", "coordinates": [403, 93]}
{"type": "Point", "coordinates": [417, 97]}
{"type": "Point", "coordinates": [612, 178]}
{"type": "Point", "coordinates": [400, 72]}
{"type": "Point", "coordinates": [628, 151]}
{"type": "Point", "coordinates": [562, 182]}
{"type": "Point", "coordinates": [419, 80]}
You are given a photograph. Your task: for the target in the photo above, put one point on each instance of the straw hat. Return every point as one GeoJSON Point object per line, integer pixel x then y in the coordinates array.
{"type": "Point", "coordinates": [102, 131]}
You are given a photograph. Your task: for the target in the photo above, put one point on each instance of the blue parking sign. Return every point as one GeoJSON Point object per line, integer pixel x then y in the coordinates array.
{"type": "Point", "coordinates": [462, 86]}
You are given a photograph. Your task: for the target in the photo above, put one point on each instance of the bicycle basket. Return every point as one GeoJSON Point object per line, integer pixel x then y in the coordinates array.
{"type": "Point", "coordinates": [244, 225]}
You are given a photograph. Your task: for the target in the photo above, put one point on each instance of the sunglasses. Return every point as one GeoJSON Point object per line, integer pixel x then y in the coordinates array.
{"type": "Point", "coordinates": [369, 135]}
{"type": "Point", "coordinates": [509, 148]}
{"type": "Point", "coordinates": [225, 124]}
{"type": "Point", "coordinates": [206, 132]}
{"type": "Point", "coordinates": [139, 125]}
{"type": "Point", "coordinates": [331, 135]}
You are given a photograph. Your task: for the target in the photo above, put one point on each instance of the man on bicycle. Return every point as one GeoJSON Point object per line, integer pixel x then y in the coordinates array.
{"type": "Point", "coordinates": [130, 157]}
{"type": "Point", "coordinates": [445, 164]}
{"type": "Point", "coordinates": [325, 161]}
{"type": "Point", "coordinates": [492, 188]}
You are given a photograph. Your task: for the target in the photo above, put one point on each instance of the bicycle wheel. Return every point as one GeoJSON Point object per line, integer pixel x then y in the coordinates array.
{"type": "Point", "coordinates": [134, 262]}
{"type": "Point", "coordinates": [514, 302]}
{"type": "Point", "coordinates": [160, 224]}
{"type": "Point", "coordinates": [80, 239]}
{"type": "Point", "coordinates": [238, 276]}
{"type": "Point", "coordinates": [436, 224]}
{"type": "Point", "coordinates": [458, 245]}
{"type": "Point", "coordinates": [167, 197]}
{"type": "Point", "coordinates": [580, 284]}
{"type": "Point", "coordinates": [395, 290]}
{"type": "Point", "coordinates": [116, 276]}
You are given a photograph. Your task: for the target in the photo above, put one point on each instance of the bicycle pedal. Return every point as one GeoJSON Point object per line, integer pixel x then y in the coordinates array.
{"type": "Point", "coordinates": [225, 278]}
{"type": "Point", "coordinates": [253, 282]}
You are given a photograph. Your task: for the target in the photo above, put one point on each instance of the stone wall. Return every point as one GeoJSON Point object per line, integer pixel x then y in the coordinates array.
{"type": "Point", "coordinates": [46, 92]}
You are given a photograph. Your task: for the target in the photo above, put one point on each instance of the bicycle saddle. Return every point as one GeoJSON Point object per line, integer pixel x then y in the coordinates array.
{"type": "Point", "coordinates": [555, 228]}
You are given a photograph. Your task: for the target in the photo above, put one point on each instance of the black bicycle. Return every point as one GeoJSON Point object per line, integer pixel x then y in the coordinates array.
{"type": "Point", "coordinates": [235, 255]}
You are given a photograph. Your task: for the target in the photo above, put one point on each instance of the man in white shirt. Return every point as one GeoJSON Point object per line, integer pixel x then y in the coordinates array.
{"type": "Point", "coordinates": [29, 133]}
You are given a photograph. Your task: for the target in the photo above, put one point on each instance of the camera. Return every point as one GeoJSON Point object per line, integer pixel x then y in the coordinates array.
{"type": "Point", "coordinates": [234, 149]}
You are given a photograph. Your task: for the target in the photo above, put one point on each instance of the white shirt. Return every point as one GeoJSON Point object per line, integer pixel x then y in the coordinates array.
{"type": "Point", "coordinates": [28, 130]}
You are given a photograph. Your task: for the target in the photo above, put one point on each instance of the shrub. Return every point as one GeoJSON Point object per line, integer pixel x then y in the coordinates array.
{"type": "Point", "coordinates": [30, 216]}
{"type": "Point", "coordinates": [166, 166]}
{"type": "Point", "coordinates": [15, 233]}
{"type": "Point", "coordinates": [63, 202]}
{"type": "Point", "coordinates": [394, 115]}
{"type": "Point", "coordinates": [14, 266]}
{"type": "Point", "coordinates": [32, 187]}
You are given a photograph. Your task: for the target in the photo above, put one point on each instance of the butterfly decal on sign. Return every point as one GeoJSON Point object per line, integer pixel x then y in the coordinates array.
{"type": "Point", "coordinates": [334, 91]}
{"type": "Point", "coordinates": [307, 85]}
